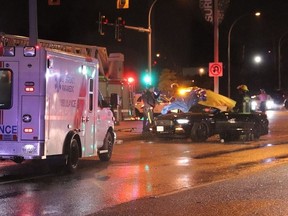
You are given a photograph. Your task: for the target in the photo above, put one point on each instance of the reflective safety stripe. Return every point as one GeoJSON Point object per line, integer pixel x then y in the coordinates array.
{"type": "Point", "coordinates": [103, 151]}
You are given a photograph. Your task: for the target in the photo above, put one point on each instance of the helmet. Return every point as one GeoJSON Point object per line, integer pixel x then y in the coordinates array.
{"type": "Point", "coordinates": [243, 88]}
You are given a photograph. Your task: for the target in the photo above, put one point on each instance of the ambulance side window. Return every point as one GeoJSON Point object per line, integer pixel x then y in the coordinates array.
{"type": "Point", "coordinates": [91, 94]}
{"type": "Point", "coordinates": [5, 89]}
{"type": "Point", "coordinates": [101, 102]}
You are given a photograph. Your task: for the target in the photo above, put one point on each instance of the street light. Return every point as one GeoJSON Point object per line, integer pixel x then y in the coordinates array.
{"type": "Point", "coordinates": [229, 42]}
{"type": "Point", "coordinates": [257, 59]}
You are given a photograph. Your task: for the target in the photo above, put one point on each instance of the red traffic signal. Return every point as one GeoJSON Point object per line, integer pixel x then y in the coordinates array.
{"type": "Point", "coordinates": [130, 80]}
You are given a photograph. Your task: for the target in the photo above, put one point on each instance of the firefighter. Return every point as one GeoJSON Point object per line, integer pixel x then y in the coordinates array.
{"type": "Point", "coordinates": [149, 99]}
{"type": "Point", "coordinates": [243, 99]}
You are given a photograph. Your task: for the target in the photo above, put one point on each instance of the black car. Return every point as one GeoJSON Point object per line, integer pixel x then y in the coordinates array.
{"type": "Point", "coordinates": [202, 122]}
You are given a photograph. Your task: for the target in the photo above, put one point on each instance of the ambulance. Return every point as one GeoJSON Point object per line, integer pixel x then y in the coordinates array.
{"type": "Point", "coordinates": [51, 106]}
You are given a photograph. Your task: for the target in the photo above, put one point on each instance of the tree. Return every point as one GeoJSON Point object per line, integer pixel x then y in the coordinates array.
{"type": "Point", "coordinates": [166, 79]}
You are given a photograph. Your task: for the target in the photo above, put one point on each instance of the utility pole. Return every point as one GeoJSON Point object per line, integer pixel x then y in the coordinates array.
{"type": "Point", "coordinates": [216, 42]}
{"type": "Point", "coordinates": [147, 30]}
{"type": "Point", "coordinates": [33, 23]}
{"type": "Point", "coordinates": [150, 39]}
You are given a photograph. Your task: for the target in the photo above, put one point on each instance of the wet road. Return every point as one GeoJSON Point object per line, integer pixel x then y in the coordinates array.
{"type": "Point", "coordinates": [139, 169]}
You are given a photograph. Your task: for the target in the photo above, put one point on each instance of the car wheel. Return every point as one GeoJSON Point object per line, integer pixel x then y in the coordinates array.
{"type": "Point", "coordinates": [108, 146]}
{"type": "Point", "coordinates": [73, 156]}
{"type": "Point", "coordinates": [256, 130]}
{"type": "Point", "coordinates": [199, 132]}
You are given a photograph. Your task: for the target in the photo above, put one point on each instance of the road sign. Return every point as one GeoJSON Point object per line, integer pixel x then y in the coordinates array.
{"type": "Point", "coordinates": [215, 69]}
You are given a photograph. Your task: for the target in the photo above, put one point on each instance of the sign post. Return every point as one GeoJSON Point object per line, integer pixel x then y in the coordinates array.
{"type": "Point", "coordinates": [215, 69]}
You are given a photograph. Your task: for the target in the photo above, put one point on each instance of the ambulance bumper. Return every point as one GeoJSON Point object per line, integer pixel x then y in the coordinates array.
{"type": "Point", "coordinates": [27, 150]}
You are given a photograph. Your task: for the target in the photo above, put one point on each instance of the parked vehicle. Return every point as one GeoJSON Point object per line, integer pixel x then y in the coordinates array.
{"type": "Point", "coordinates": [52, 107]}
{"type": "Point", "coordinates": [162, 101]}
{"type": "Point", "coordinates": [255, 103]}
{"type": "Point", "coordinates": [202, 122]}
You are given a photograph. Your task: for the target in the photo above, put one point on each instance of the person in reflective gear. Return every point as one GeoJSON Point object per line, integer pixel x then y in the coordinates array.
{"type": "Point", "coordinates": [243, 100]}
{"type": "Point", "coordinates": [149, 99]}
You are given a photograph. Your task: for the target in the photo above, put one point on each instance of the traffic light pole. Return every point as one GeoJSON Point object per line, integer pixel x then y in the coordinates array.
{"type": "Point", "coordinates": [140, 29]}
{"type": "Point", "coordinates": [150, 39]}
{"type": "Point", "coordinates": [149, 31]}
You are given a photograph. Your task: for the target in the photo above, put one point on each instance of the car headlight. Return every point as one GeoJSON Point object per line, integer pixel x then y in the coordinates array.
{"type": "Point", "coordinates": [182, 121]}
{"type": "Point", "coordinates": [254, 105]}
{"type": "Point", "coordinates": [269, 104]}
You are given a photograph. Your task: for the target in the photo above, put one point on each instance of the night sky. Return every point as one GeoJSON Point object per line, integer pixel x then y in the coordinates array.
{"type": "Point", "coordinates": [180, 34]}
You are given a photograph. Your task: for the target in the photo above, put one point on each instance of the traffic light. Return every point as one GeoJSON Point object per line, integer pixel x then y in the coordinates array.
{"type": "Point", "coordinates": [119, 25]}
{"type": "Point", "coordinates": [147, 79]}
{"type": "Point", "coordinates": [130, 80]}
{"type": "Point", "coordinates": [102, 21]}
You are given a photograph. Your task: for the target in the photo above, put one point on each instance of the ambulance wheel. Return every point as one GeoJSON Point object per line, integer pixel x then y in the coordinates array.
{"type": "Point", "coordinates": [199, 132]}
{"type": "Point", "coordinates": [73, 156]}
{"type": "Point", "coordinates": [108, 146]}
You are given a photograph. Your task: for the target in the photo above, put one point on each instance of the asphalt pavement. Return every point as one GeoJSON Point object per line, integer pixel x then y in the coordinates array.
{"type": "Point", "coordinates": [262, 193]}
{"type": "Point", "coordinates": [128, 130]}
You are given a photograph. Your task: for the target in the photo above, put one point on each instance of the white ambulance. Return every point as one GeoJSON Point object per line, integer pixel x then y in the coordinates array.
{"type": "Point", "coordinates": [50, 106]}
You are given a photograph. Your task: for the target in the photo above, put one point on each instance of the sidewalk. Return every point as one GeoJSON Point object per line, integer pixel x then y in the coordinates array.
{"type": "Point", "coordinates": [128, 130]}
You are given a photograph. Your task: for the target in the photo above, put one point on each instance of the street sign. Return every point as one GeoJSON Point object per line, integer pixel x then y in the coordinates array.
{"type": "Point", "coordinates": [215, 69]}
{"type": "Point", "coordinates": [122, 4]}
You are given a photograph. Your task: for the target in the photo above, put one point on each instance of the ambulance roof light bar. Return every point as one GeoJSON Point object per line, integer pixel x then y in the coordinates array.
{"type": "Point", "coordinates": [29, 51]}
{"type": "Point", "coordinates": [7, 51]}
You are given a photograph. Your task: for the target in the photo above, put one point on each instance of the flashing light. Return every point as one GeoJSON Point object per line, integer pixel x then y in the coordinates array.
{"type": "Point", "coordinates": [29, 51]}
{"type": "Point", "coordinates": [28, 130]}
{"type": "Point", "coordinates": [183, 91]}
{"type": "Point", "coordinates": [29, 86]}
{"type": "Point", "coordinates": [29, 89]}
{"type": "Point", "coordinates": [7, 51]}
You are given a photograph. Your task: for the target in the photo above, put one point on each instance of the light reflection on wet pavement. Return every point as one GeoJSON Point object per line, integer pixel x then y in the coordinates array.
{"type": "Point", "coordinates": [138, 169]}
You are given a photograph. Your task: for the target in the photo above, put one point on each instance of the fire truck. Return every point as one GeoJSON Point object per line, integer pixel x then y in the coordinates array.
{"type": "Point", "coordinates": [50, 103]}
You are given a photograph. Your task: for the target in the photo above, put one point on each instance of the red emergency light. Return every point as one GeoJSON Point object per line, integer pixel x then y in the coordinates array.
{"type": "Point", "coordinates": [29, 86]}
{"type": "Point", "coordinates": [29, 89]}
{"type": "Point", "coordinates": [28, 130]}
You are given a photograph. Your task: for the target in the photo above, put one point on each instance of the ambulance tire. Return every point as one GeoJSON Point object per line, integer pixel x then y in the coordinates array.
{"type": "Point", "coordinates": [73, 156]}
{"type": "Point", "coordinates": [107, 145]}
{"type": "Point", "coordinates": [199, 132]}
